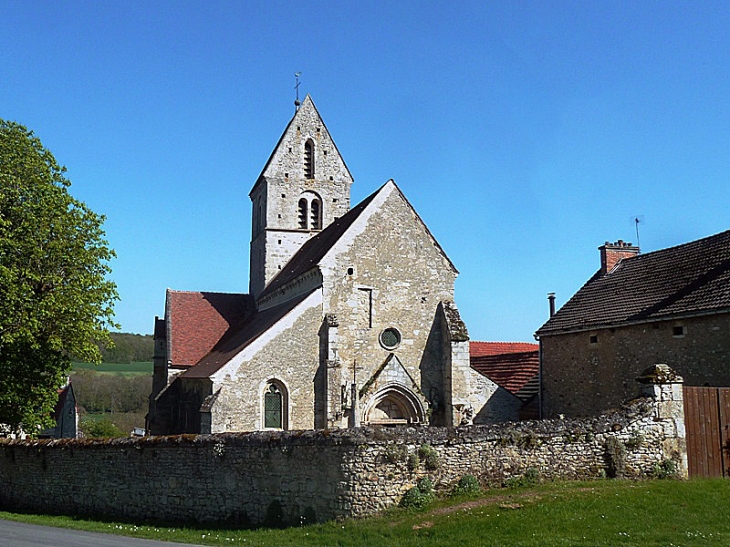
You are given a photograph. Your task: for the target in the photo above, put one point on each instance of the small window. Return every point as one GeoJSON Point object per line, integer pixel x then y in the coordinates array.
{"type": "Point", "coordinates": [302, 216]}
{"type": "Point", "coordinates": [593, 339]}
{"type": "Point", "coordinates": [273, 407]}
{"type": "Point", "coordinates": [316, 214]}
{"type": "Point", "coordinates": [678, 331]}
{"type": "Point", "coordinates": [390, 338]}
{"type": "Point", "coordinates": [309, 160]}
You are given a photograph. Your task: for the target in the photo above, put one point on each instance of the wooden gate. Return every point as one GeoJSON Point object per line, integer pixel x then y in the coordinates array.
{"type": "Point", "coordinates": [707, 421]}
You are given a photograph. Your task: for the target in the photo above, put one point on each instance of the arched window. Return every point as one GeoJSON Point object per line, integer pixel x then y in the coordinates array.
{"type": "Point", "coordinates": [309, 211]}
{"type": "Point", "coordinates": [309, 160]}
{"type": "Point", "coordinates": [316, 215]}
{"type": "Point", "coordinates": [274, 406]}
{"type": "Point", "coordinates": [302, 213]}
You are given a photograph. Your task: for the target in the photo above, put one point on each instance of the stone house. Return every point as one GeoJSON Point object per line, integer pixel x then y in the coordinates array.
{"type": "Point", "coordinates": [669, 306]}
{"type": "Point", "coordinates": [350, 316]}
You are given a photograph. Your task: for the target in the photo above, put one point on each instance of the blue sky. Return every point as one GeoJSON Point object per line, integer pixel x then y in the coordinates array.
{"type": "Point", "coordinates": [524, 133]}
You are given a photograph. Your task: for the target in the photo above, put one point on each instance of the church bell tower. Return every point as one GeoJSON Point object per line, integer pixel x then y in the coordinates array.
{"type": "Point", "coordinates": [303, 188]}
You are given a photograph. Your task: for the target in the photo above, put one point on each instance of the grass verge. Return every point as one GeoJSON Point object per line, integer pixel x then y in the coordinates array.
{"type": "Point", "coordinates": [604, 513]}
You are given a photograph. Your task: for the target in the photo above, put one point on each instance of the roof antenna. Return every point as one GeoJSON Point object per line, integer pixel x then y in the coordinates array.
{"type": "Point", "coordinates": [637, 220]}
{"type": "Point", "coordinates": [296, 101]}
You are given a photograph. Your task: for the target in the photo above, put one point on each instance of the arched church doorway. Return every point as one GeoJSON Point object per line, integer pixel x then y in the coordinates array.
{"type": "Point", "coordinates": [394, 405]}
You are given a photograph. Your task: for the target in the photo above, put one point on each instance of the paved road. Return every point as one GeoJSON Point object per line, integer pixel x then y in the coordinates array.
{"type": "Point", "coordinates": [18, 534]}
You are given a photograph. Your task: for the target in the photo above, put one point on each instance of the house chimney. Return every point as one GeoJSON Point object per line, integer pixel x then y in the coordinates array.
{"type": "Point", "coordinates": [551, 299]}
{"type": "Point", "coordinates": [612, 253]}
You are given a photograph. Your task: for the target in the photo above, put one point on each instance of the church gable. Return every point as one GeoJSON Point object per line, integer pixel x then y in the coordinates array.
{"type": "Point", "coordinates": [389, 236]}
{"type": "Point", "coordinates": [304, 187]}
{"type": "Point", "coordinates": [306, 150]}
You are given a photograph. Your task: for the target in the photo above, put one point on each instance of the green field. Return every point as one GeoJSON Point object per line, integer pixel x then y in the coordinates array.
{"type": "Point", "coordinates": [601, 513]}
{"type": "Point", "coordinates": [126, 369]}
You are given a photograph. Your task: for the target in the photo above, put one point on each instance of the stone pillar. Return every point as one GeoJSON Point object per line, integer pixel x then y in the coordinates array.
{"type": "Point", "coordinates": [457, 369]}
{"type": "Point", "coordinates": [664, 385]}
{"type": "Point", "coordinates": [333, 368]}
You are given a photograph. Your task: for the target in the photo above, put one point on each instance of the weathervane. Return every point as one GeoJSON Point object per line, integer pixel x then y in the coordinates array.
{"type": "Point", "coordinates": [296, 87]}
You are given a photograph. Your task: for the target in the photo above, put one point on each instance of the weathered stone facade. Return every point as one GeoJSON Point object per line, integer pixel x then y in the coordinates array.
{"type": "Point", "coordinates": [590, 371]}
{"type": "Point", "coordinates": [351, 318]}
{"type": "Point", "coordinates": [287, 355]}
{"type": "Point", "coordinates": [278, 231]}
{"type": "Point", "coordinates": [264, 477]}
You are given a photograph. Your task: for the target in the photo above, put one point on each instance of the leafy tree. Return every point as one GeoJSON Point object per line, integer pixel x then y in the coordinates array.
{"type": "Point", "coordinates": [55, 298]}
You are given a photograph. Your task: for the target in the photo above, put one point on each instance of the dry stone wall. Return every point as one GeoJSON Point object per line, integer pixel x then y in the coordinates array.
{"type": "Point", "coordinates": [293, 477]}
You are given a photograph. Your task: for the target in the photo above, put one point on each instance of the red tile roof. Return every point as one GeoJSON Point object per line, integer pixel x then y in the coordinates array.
{"type": "Point", "coordinates": [499, 348]}
{"type": "Point", "coordinates": [238, 337]}
{"type": "Point", "coordinates": [511, 365]}
{"type": "Point", "coordinates": [196, 321]}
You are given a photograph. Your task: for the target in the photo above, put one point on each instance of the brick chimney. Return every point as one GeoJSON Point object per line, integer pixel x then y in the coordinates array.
{"type": "Point", "coordinates": [611, 253]}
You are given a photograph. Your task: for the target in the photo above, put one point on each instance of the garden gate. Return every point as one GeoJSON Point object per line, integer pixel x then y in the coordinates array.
{"type": "Point", "coordinates": [707, 423]}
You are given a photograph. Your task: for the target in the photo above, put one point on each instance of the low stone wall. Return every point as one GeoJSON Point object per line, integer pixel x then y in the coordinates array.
{"type": "Point", "coordinates": [290, 477]}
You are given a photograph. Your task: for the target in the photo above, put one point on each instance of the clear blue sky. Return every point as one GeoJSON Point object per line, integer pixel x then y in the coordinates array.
{"type": "Point", "coordinates": [524, 133]}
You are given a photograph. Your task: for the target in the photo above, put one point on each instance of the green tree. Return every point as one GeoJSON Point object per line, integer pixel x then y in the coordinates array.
{"type": "Point", "coordinates": [101, 428]}
{"type": "Point", "coordinates": [55, 298]}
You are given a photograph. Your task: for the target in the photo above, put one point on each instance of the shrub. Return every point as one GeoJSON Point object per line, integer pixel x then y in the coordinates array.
{"type": "Point", "coordinates": [415, 497]}
{"type": "Point", "coordinates": [430, 456]}
{"type": "Point", "coordinates": [395, 453]}
{"type": "Point", "coordinates": [413, 461]}
{"type": "Point", "coordinates": [665, 469]}
{"type": "Point", "coordinates": [100, 428]}
{"type": "Point", "coordinates": [468, 485]}
{"type": "Point", "coordinates": [530, 477]}
{"type": "Point", "coordinates": [634, 441]}
{"type": "Point", "coordinates": [425, 485]}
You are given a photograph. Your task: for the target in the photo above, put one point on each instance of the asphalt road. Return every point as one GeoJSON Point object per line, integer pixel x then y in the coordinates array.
{"type": "Point", "coordinates": [18, 534]}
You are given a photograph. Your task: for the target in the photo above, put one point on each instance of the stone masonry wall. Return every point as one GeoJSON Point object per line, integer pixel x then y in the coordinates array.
{"type": "Point", "coordinates": [390, 275]}
{"type": "Point", "coordinates": [581, 378]}
{"type": "Point", "coordinates": [292, 477]}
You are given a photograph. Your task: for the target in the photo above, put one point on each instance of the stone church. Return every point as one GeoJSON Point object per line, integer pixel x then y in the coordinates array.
{"type": "Point", "coordinates": [350, 317]}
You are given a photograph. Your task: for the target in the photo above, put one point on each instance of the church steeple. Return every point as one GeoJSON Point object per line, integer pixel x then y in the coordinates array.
{"type": "Point", "coordinates": [303, 188]}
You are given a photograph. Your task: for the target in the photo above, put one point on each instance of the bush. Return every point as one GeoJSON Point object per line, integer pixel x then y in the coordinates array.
{"type": "Point", "coordinates": [418, 496]}
{"type": "Point", "coordinates": [430, 456]}
{"type": "Point", "coordinates": [395, 453]}
{"type": "Point", "coordinates": [100, 428]}
{"type": "Point", "coordinates": [413, 461]}
{"type": "Point", "coordinates": [468, 485]}
{"type": "Point", "coordinates": [665, 469]}
{"type": "Point", "coordinates": [425, 485]}
{"type": "Point", "coordinates": [530, 477]}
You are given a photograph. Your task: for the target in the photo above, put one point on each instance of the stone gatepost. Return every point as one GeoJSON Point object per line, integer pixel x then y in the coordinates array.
{"type": "Point", "coordinates": [664, 385]}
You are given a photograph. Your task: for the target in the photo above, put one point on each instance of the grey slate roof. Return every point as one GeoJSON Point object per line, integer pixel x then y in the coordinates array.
{"type": "Point", "coordinates": [309, 255]}
{"type": "Point", "coordinates": [688, 279]}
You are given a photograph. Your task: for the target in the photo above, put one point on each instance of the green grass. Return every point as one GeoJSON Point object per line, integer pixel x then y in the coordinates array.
{"type": "Point", "coordinates": [125, 369]}
{"type": "Point", "coordinates": [602, 513]}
